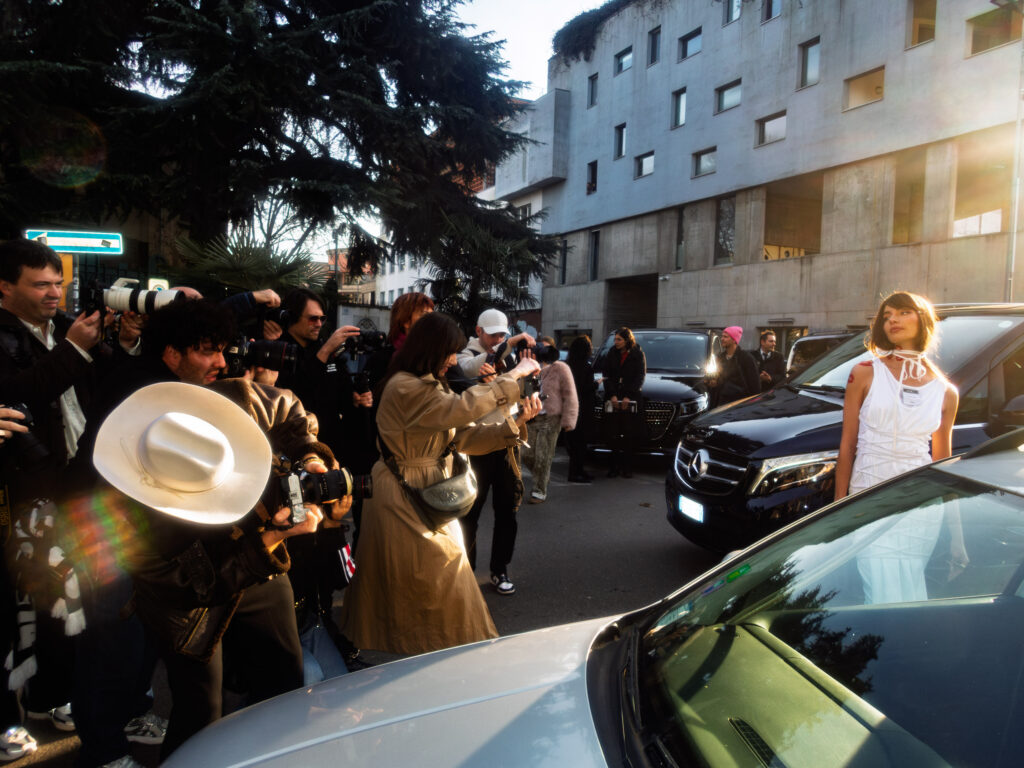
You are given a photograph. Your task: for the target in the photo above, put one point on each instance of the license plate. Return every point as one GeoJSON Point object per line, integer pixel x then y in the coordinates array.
{"type": "Point", "coordinates": [691, 509]}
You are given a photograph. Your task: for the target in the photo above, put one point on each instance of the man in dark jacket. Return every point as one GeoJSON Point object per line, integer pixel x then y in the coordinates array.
{"type": "Point", "coordinates": [204, 568]}
{"type": "Point", "coordinates": [49, 362]}
{"type": "Point", "coordinates": [771, 368]}
{"type": "Point", "coordinates": [736, 376]}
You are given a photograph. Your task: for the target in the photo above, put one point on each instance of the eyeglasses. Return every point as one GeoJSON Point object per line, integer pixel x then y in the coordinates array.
{"type": "Point", "coordinates": [316, 318]}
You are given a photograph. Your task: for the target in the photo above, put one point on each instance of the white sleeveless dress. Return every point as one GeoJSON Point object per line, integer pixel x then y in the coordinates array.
{"type": "Point", "coordinates": [896, 424]}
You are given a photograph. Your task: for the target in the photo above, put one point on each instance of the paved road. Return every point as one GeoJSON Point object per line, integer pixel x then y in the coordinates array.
{"type": "Point", "coordinates": [586, 552]}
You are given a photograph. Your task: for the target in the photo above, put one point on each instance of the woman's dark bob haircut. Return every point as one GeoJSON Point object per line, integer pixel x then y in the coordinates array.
{"type": "Point", "coordinates": [431, 340]}
{"type": "Point", "coordinates": [627, 336]}
{"type": "Point", "coordinates": [879, 343]}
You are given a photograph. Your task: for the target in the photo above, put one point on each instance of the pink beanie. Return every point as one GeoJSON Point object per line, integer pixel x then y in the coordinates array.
{"type": "Point", "coordinates": [735, 333]}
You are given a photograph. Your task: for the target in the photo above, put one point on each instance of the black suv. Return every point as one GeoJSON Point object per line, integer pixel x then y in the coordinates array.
{"type": "Point", "coordinates": [673, 391]}
{"type": "Point", "coordinates": [746, 469]}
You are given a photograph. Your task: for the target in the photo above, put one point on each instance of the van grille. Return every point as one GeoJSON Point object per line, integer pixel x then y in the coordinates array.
{"type": "Point", "coordinates": [722, 471]}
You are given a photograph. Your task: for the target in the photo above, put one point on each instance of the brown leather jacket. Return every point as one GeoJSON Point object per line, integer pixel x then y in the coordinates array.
{"type": "Point", "coordinates": [189, 578]}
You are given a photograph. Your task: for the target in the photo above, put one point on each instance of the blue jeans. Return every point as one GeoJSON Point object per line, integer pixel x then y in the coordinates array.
{"type": "Point", "coordinates": [321, 659]}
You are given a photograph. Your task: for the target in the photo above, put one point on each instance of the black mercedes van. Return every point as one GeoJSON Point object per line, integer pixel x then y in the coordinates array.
{"type": "Point", "coordinates": [753, 466]}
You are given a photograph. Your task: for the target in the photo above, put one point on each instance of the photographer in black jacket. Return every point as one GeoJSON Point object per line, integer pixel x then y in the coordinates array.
{"type": "Point", "coordinates": [625, 368]}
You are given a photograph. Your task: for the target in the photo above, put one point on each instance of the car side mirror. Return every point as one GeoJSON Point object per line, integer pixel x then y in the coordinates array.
{"type": "Point", "coordinates": [1010, 417]}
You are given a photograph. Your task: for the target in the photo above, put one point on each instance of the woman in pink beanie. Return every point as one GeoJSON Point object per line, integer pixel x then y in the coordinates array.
{"type": "Point", "coordinates": [736, 377]}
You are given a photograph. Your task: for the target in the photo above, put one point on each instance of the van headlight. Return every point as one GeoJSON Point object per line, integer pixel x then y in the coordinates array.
{"type": "Point", "coordinates": [789, 471]}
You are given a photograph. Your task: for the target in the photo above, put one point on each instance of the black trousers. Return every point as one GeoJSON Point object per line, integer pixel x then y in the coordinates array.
{"type": "Point", "coordinates": [114, 663]}
{"type": "Point", "coordinates": [264, 639]}
{"type": "Point", "coordinates": [576, 447]}
{"type": "Point", "coordinates": [494, 474]}
{"type": "Point", "coordinates": [622, 436]}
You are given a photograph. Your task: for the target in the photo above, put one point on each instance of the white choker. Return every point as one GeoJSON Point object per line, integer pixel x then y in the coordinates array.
{"type": "Point", "coordinates": [912, 366]}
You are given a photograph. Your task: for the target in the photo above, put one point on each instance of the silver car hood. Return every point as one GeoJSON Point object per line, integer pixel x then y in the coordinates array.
{"type": "Point", "coordinates": [514, 701]}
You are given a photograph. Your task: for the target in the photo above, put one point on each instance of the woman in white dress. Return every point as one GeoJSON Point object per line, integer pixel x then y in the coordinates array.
{"type": "Point", "coordinates": [898, 414]}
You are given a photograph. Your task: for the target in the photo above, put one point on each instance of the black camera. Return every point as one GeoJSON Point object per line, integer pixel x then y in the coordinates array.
{"type": "Point", "coordinates": [499, 358]}
{"type": "Point", "coordinates": [545, 353]}
{"type": "Point", "coordinates": [530, 385]}
{"type": "Point", "coordinates": [366, 341]}
{"type": "Point", "coordinates": [301, 487]}
{"type": "Point", "coordinates": [125, 295]}
{"type": "Point", "coordinates": [275, 355]}
{"type": "Point", "coordinates": [280, 316]}
{"type": "Point", "coordinates": [26, 445]}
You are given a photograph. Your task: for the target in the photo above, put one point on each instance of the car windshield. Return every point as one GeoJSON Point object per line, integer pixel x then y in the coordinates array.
{"type": "Point", "coordinates": [885, 633]}
{"type": "Point", "coordinates": [957, 339]}
{"type": "Point", "coordinates": [685, 353]}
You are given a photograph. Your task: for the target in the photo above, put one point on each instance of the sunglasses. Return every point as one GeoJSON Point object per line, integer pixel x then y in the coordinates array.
{"type": "Point", "coordinates": [316, 318]}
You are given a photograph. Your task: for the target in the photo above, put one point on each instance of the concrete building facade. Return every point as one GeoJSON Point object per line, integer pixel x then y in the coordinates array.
{"type": "Point", "coordinates": [775, 163]}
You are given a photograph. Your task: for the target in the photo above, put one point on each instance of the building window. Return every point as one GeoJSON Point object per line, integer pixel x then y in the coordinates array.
{"type": "Point", "coordinates": [381, 301]}
{"type": "Point", "coordinates": [620, 141]}
{"type": "Point", "coordinates": [810, 62]}
{"type": "Point", "coordinates": [864, 89]}
{"type": "Point", "coordinates": [770, 9]}
{"type": "Point", "coordinates": [391, 296]}
{"type": "Point", "coordinates": [725, 231]}
{"type": "Point", "coordinates": [689, 45]}
{"type": "Point", "coordinates": [400, 291]}
{"type": "Point", "coordinates": [591, 90]}
{"type": "Point", "coordinates": [563, 258]}
{"type": "Point", "coordinates": [993, 29]}
{"type": "Point", "coordinates": [920, 21]}
{"type": "Point", "coordinates": [705, 161]}
{"type": "Point", "coordinates": [653, 46]}
{"type": "Point", "coordinates": [727, 96]}
{"type": "Point", "coordinates": [680, 238]}
{"type": "Point", "coordinates": [644, 165]}
{"type": "Point", "coordinates": [523, 211]}
{"type": "Point", "coordinates": [623, 60]}
{"type": "Point", "coordinates": [732, 10]}
{"type": "Point", "coordinates": [391, 265]}
{"type": "Point", "coordinates": [592, 177]}
{"type": "Point", "coordinates": [401, 261]}
{"type": "Point", "coordinates": [595, 253]}
{"type": "Point", "coordinates": [678, 107]}
{"type": "Point", "coordinates": [771, 128]}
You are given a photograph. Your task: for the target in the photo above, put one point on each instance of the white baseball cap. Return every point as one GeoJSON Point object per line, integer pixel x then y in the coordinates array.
{"type": "Point", "coordinates": [185, 451]}
{"type": "Point", "coordinates": [492, 321]}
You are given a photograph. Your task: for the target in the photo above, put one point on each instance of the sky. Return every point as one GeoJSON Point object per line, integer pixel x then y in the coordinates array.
{"type": "Point", "coordinates": [527, 26]}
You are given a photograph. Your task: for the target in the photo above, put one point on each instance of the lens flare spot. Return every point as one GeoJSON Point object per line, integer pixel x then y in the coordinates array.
{"type": "Point", "coordinates": [64, 149]}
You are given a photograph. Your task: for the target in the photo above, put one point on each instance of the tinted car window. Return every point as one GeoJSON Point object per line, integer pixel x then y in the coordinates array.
{"type": "Point", "coordinates": [829, 640]}
{"type": "Point", "coordinates": [958, 338]}
{"type": "Point", "coordinates": [673, 352]}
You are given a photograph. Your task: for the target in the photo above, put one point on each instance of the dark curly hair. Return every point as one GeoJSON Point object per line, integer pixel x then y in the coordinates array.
{"type": "Point", "coordinates": [187, 325]}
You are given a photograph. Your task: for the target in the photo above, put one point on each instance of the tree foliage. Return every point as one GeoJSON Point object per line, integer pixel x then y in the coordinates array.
{"type": "Point", "coordinates": [243, 263]}
{"type": "Point", "coordinates": [344, 110]}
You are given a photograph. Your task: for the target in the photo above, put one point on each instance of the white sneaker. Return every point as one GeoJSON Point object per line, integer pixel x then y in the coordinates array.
{"type": "Point", "coordinates": [16, 742]}
{"type": "Point", "coordinates": [537, 497]}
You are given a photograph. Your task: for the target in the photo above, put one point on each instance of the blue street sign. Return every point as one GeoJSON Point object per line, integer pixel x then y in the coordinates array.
{"type": "Point", "coordinates": [103, 243]}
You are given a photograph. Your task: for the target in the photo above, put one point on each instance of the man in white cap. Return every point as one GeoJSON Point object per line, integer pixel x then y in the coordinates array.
{"type": "Point", "coordinates": [497, 471]}
{"type": "Point", "coordinates": [190, 465]}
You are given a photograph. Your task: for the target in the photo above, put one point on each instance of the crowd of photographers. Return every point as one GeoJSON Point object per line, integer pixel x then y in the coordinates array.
{"type": "Point", "coordinates": [136, 440]}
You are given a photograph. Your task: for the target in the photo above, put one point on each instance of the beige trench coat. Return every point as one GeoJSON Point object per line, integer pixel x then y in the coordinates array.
{"type": "Point", "coordinates": [413, 590]}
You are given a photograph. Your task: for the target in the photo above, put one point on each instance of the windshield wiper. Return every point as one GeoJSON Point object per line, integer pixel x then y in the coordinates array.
{"type": "Point", "coordinates": [823, 388]}
{"type": "Point", "coordinates": [638, 739]}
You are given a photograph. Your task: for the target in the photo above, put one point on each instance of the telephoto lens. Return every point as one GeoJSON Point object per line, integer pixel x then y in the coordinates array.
{"type": "Point", "coordinates": [139, 300]}
{"type": "Point", "coordinates": [274, 355]}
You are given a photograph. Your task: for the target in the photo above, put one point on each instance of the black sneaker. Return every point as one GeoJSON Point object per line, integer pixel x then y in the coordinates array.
{"type": "Point", "coordinates": [502, 584]}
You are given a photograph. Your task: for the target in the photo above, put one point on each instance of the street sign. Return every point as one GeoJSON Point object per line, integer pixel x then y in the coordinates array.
{"type": "Point", "coordinates": [102, 243]}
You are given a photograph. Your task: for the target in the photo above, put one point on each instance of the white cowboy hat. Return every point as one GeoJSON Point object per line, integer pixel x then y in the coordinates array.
{"type": "Point", "coordinates": [186, 451]}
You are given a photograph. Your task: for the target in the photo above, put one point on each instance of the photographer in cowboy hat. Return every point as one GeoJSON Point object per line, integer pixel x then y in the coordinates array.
{"type": "Point", "coordinates": [190, 465]}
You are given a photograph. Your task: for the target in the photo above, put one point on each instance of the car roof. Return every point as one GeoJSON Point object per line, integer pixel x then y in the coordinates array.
{"type": "Point", "coordinates": [998, 462]}
{"type": "Point", "coordinates": [979, 308]}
